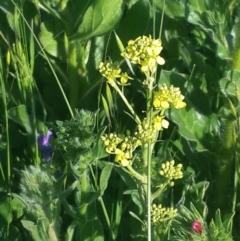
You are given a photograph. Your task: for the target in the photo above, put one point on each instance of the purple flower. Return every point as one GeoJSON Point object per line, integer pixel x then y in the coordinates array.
{"type": "Point", "coordinates": [197, 227]}
{"type": "Point", "coordinates": [44, 146]}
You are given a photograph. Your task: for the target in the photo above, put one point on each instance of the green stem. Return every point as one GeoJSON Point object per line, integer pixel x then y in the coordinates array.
{"type": "Point", "coordinates": [84, 192]}
{"type": "Point", "coordinates": [73, 76]}
{"type": "Point", "coordinates": [236, 52]}
{"type": "Point", "coordinates": [226, 157]}
{"type": "Point", "coordinates": [158, 192]}
{"type": "Point", "coordinates": [149, 158]}
{"type": "Point", "coordinates": [9, 182]}
{"type": "Point", "coordinates": [103, 206]}
{"type": "Point", "coordinates": [135, 116]}
{"type": "Point", "coordinates": [136, 174]}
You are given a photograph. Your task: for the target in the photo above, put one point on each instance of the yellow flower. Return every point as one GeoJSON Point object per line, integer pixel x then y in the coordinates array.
{"type": "Point", "coordinates": [124, 78]}
{"type": "Point", "coordinates": [159, 123]}
{"type": "Point", "coordinates": [166, 98]}
{"type": "Point", "coordinates": [144, 51]}
{"type": "Point", "coordinates": [123, 157]}
{"type": "Point", "coordinates": [109, 70]}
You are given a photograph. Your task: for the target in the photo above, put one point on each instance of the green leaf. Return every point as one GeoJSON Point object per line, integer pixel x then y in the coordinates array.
{"type": "Point", "coordinates": [32, 228]}
{"type": "Point", "coordinates": [92, 231]}
{"type": "Point", "coordinates": [106, 108]}
{"type": "Point", "coordinates": [172, 78]}
{"type": "Point", "coordinates": [52, 38]}
{"type": "Point", "coordinates": [230, 84]}
{"type": "Point", "coordinates": [173, 8]}
{"type": "Point", "coordinates": [105, 175]}
{"type": "Point", "coordinates": [19, 115]}
{"type": "Point", "coordinates": [70, 231]}
{"type": "Point", "coordinates": [192, 124]}
{"type": "Point", "coordinates": [68, 191]}
{"type": "Point", "coordinates": [5, 215]}
{"type": "Point", "coordinates": [101, 17]}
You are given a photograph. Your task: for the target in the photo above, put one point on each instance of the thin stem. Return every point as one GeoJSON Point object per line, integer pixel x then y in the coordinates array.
{"type": "Point", "coordinates": [161, 23]}
{"type": "Point", "coordinates": [136, 174]}
{"type": "Point", "coordinates": [135, 116]}
{"type": "Point", "coordinates": [9, 183]}
{"type": "Point", "coordinates": [149, 192]}
{"type": "Point", "coordinates": [102, 205]}
{"type": "Point", "coordinates": [73, 75]}
{"type": "Point", "coordinates": [154, 18]}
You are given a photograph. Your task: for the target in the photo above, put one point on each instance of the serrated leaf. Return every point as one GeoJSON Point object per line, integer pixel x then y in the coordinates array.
{"type": "Point", "coordinates": [100, 17]}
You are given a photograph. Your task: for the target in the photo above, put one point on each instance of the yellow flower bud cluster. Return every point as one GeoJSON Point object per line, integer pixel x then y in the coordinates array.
{"type": "Point", "coordinates": [112, 72]}
{"type": "Point", "coordinates": [146, 133]}
{"type": "Point", "coordinates": [144, 51]}
{"type": "Point", "coordinates": [121, 146]}
{"type": "Point", "coordinates": [111, 142]}
{"type": "Point", "coordinates": [171, 172]}
{"type": "Point", "coordinates": [162, 214]}
{"type": "Point", "coordinates": [166, 98]}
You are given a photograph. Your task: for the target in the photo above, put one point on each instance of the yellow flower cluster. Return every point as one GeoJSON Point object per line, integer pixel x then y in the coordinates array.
{"type": "Point", "coordinates": [146, 133]}
{"type": "Point", "coordinates": [144, 51]}
{"type": "Point", "coordinates": [166, 98]}
{"type": "Point", "coordinates": [161, 214]}
{"type": "Point", "coordinates": [112, 72]}
{"type": "Point", "coordinates": [121, 146]}
{"type": "Point", "coordinates": [171, 172]}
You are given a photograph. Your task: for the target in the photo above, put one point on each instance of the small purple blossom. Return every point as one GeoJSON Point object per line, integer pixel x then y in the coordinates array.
{"type": "Point", "coordinates": [44, 145]}
{"type": "Point", "coordinates": [197, 226]}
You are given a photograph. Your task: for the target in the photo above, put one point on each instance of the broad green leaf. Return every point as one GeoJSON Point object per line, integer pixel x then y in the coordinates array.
{"type": "Point", "coordinates": [5, 215]}
{"type": "Point", "coordinates": [230, 84]}
{"type": "Point", "coordinates": [100, 17]}
{"type": "Point", "coordinates": [52, 38]}
{"type": "Point", "coordinates": [199, 6]}
{"type": "Point", "coordinates": [172, 78]}
{"type": "Point", "coordinates": [17, 208]}
{"type": "Point", "coordinates": [213, 25]}
{"type": "Point", "coordinates": [105, 175]}
{"type": "Point", "coordinates": [191, 123]}
{"type": "Point", "coordinates": [93, 231]}
{"type": "Point", "coordinates": [19, 115]}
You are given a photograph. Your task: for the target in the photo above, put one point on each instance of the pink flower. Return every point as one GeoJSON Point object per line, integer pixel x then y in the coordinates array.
{"type": "Point", "coordinates": [197, 227]}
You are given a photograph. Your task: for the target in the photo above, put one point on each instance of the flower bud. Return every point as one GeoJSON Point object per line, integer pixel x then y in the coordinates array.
{"type": "Point", "coordinates": [197, 226]}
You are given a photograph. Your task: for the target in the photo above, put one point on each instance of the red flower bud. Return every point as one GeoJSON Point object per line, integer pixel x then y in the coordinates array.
{"type": "Point", "coordinates": [197, 227]}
